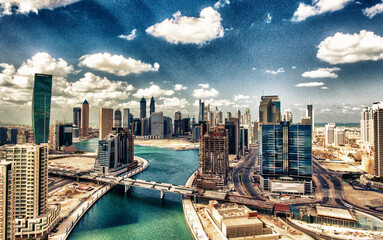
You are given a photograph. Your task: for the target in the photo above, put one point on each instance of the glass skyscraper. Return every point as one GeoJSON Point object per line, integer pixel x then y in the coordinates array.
{"type": "Point", "coordinates": [286, 150]}
{"type": "Point", "coordinates": [41, 107]}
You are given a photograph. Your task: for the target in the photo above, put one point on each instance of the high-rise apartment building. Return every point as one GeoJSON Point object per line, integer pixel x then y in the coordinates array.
{"type": "Point", "coordinates": [152, 105]}
{"type": "Point", "coordinates": [378, 137]}
{"type": "Point", "coordinates": [247, 117]}
{"type": "Point", "coordinates": [106, 122]}
{"type": "Point", "coordinates": [367, 126]}
{"type": "Point", "coordinates": [185, 126]}
{"type": "Point", "coordinates": [214, 161]}
{"type": "Point", "coordinates": [85, 118]}
{"type": "Point", "coordinates": [33, 217]}
{"type": "Point", "coordinates": [177, 124]}
{"type": "Point", "coordinates": [142, 108]}
{"type": "Point", "coordinates": [310, 114]}
{"type": "Point", "coordinates": [218, 117]}
{"type": "Point", "coordinates": [329, 134]}
{"type": "Point", "coordinates": [232, 125]}
{"type": "Point", "coordinates": [127, 119]}
{"type": "Point", "coordinates": [7, 201]}
{"type": "Point", "coordinates": [339, 136]}
{"type": "Point", "coordinates": [41, 107]}
{"type": "Point", "coordinates": [288, 115]}
{"type": "Point", "coordinates": [76, 122]}
{"type": "Point", "coordinates": [117, 118]}
{"type": "Point", "coordinates": [270, 109]}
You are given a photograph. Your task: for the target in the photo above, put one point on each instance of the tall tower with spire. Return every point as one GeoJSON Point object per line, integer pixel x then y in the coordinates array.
{"type": "Point", "coordinates": [152, 105]}
{"type": "Point", "coordinates": [85, 118]}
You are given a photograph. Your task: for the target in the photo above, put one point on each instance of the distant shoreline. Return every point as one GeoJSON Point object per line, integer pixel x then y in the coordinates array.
{"type": "Point", "coordinates": [173, 144]}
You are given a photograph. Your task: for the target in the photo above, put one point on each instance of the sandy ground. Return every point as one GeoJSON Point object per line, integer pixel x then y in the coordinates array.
{"type": "Point", "coordinates": [75, 163]}
{"type": "Point", "coordinates": [70, 197]}
{"type": "Point", "coordinates": [370, 198]}
{"type": "Point", "coordinates": [174, 144]}
{"type": "Point", "coordinates": [342, 167]}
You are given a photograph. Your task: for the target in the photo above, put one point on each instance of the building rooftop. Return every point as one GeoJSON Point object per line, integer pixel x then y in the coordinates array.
{"type": "Point", "coordinates": [335, 213]}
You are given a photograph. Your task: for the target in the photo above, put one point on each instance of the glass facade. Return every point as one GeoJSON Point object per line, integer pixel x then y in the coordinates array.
{"type": "Point", "coordinates": [286, 150]}
{"type": "Point", "coordinates": [41, 107]}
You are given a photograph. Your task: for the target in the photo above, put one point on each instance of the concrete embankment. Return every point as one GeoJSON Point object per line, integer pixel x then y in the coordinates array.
{"type": "Point", "coordinates": [67, 226]}
{"type": "Point", "coordinates": [192, 219]}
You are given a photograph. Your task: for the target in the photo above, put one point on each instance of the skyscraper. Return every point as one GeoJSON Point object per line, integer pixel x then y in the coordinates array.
{"type": "Point", "coordinates": [143, 108]}
{"type": "Point", "coordinates": [6, 201]}
{"type": "Point", "coordinates": [339, 136]}
{"type": "Point", "coordinates": [329, 134]}
{"type": "Point", "coordinates": [117, 118]}
{"type": "Point", "coordinates": [106, 122]}
{"type": "Point", "coordinates": [85, 118]}
{"type": "Point", "coordinates": [270, 109]}
{"type": "Point", "coordinates": [76, 122]}
{"type": "Point", "coordinates": [157, 123]}
{"type": "Point", "coordinates": [62, 135]}
{"type": "Point", "coordinates": [33, 216]}
{"type": "Point", "coordinates": [126, 119]}
{"type": "Point", "coordinates": [41, 107]}
{"type": "Point", "coordinates": [201, 112]}
{"type": "Point", "coordinates": [378, 138]}
{"type": "Point", "coordinates": [288, 115]}
{"type": "Point", "coordinates": [247, 117]}
{"type": "Point", "coordinates": [310, 114]}
{"type": "Point", "coordinates": [177, 123]}
{"type": "Point", "coordinates": [367, 126]}
{"type": "Point", "coordinates": [152, 105]}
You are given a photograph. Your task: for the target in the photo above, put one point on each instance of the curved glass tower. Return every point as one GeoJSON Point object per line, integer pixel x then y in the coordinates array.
{"type": "Point", "coordinates": [41, 107]}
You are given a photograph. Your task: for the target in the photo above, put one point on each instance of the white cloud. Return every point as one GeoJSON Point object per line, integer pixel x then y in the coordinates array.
{"type": "Point", "coordinates": [190, 30]}
{"type": "Point", "coordinates": [268, 18]}
{"type": "Point", "coordinates": [26, 6]}
{"type": "Point", "coordinates": [310, 84]}
{"type": "Point", "coordinates": [205, 93]}
{"type": "Point", "coordinates": [178, 87]}
{"type": "Point", "coordinates": [293, 67]}
{"type": "Point", "coordinates": [173, 103]}
{"type": "Point", "coordinates": [318, 7]}
{"type": "Point", "coordinates": [372, 11]}
{"type": "Point", "coordinates": [324, 88]}
{"type": "Point", "coordinates": [254, 68]}
{"type": "Point", "coordinates": [154, 91]}
{"type": "Point", "coordinates": [240, 97]}
{"type": "Point", "coordinates": [116, 64]}
{"type": "Point", "coordinates": [221, 3]}
{"type": "Point", "coordinates": [129, 37]}
{"type": "Point", "coordinates": [350, 48]}
{"type": "Point", "coordinates": [204, 85]}
{"type": "Point", "coordinates": [280, 70]}
{"type": "Point", "coordinates": [215, 102]}
{"type": "Point", "coordinates": [322, 73]}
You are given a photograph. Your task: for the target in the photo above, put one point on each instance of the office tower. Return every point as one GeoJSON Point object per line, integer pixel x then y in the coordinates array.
{"type": "Point", "coordinates": [152, 105]}
{"type": "Point", "coordinates": [145, 131]}
{"type": "Point", "coordinates": [3, 135]}
{"type": "Point", "coordinates": [117, 118]}
{"type": "Point", "coordinates": [218, 117]}
{"type": "Point", "coordinates": [157, 122]}
{"type": "Point", "coordinates": [85, 118]}
{"type": "Point", "coordinates": [247, 117]}
{"type": "Point", "coordinates": [115, 153]}
{"type": "Point", "coordinates": [206, 110]}
{"type": "Point", "coordinates": [142, 108]}
{"type": "Point", "coordinates": [310, 114]}
{"type": "Point", "coordinates": [168, 127]}
{"type": "Point", "coordinates": [339, 136]}
{"type": "Point", "coordinates": [210, 119]}
{"type": "Point", "coordinates": [305, 121]}
{"type": "Point", "coordinates": [61, 135]}
{"type": "Point", "coordinates": [177, 124]}
{"type": "Point", "coordinates": [239, 116]}
{"type": "Point", "coordinates": [286, 153]}
{"type": "Point", "coordinates": [7, 202]}
{"type": "Point", "coordinates": [378, 137]}
{"type": "Point", "coordinates": [213, 161]}
{"type": "Point", "coordinates": [127, 119]}
{"type": "Point", "coordinates": [254, 132]}
{"type": "Point", "coordinates": [12, 136]}
{"type": "Point", "coordinates": [228, 115]}
{"type": "Point", "coordinates": [367, 126]}
{"type": "Point", "coordinates": [270, 109]}
{"type": "Point", "coordinates": [41, 107]}
{"type": "Point", "coordinates": [106, 122]}
{"type": "Point", "coordinates": [232, 126]}
{"type": "Point", "coordinates": [33, 216]}
{"type": "Point", "coordinates": [185, 126]}
{"type": "Point", "coordinates": [329, 134]}
{"type": "Point", "coordinates": [137, 127]}
{"type": "Point", "coordinates": [288, 115]}
{"type": "Point", "coordinates": [201, 111]}
{"type": "Point", "coordinates": [76, 122]}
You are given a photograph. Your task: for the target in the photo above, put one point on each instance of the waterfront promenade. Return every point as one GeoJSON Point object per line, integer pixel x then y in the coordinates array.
{"type": "Point", "coordinates": [191, 216]}
{"type": "Point", "coordinates": [69, 223]}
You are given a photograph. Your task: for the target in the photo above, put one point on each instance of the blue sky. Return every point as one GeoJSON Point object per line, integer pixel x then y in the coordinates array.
{"type": "Point", "coordinates": [114, 52]}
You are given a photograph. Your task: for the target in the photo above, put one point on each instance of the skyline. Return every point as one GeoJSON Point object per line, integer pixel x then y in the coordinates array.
{"type": "Point", "coordinates": [114, 53]}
